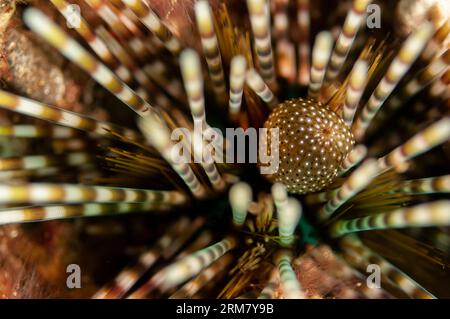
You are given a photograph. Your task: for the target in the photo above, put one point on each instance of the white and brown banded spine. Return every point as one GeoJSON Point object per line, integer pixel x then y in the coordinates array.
{"type": "Point", "coordinates": [146, 47]}
{"type": "Point", "coordinates": [126, 279]}
{"type": "Point", "coordinates": [8, 176]}
{"type": "Point", "coordinates": [440, 87]}
{"type": "Point", "coordinates": [304, 21]}
{"type": "Point", "coordinates": [124, 22]}
{"type": "Point", "coordinates": [37, 131]}
{"type": "Point", "coordinates": [432, 72]}
{"type": "Point", "coordinates": [191, 71]}
{"type": "Point", "coordinates": [279, 195]}
{"type": "Point", "coordinates": [435, 69]}
{"type": "Point", "coordinates": [149, 18]}
{"type": "Point", "coordinates": [60, 146]}
{"type": "Point", "coordinates": [96, 44]}
{"type": "Point", "coordinates": [353, 159]}
{"type": "Point", "coordinates": [399, 66]}
{"type": "Point", "coordinates": [280, 18]}
{"type": "Point", "coordinates": [205, 25]}
{"type": "Point", "coordinates": [203, 278]}
{"type": "Point", "coordinates": [237, 78]}
{"type": "Point", "coordinates": [355, 89]}
{"type": "Point", "coordinates": [62, 117]}
{"type": "Point", "coordinates": [159, 136]}
{"type": "Point", "coordinates": [204, 239]}
{"type": "Point", "coordinates": [435, 134]}
{"type": "Point", "coordinates": [37, 193]}
{"type": "Point", "coordinates": [257, 84]}
{"type": "Point", "coordinates": [428, 185]}
{"type": "Point", "coordinates": [436, 43]}
{"type": "Point", "coordinates": [353, 21]}
{"type": "Point", "coordinates": [323, 45]}
{"type": "Point", "coordinates": [356, 182]}
{"type": "Point", "coordinates": [31, 162]}
{"type": "Point", "coordinates": [284, 48]}
{"type": "Point", "coordinates": [425, 215]}
{"type": "Point", "coordinates": [127, 54]}
{"type": "Point", "coordinates": [207, 162]}
{"type": "Point", "coordinates": [290, 285]}
{"type": "Point", "coordinates": [363, 256]}
{"type": "Point", "coordinates": [110, 16]}
{"type": "Point", "coordinates": [186, 268]}
{"type": "Point", "coordinates": [321, 197]}
{"type": "Point", "coordinates": [53, 34]}
{"type": "Point", "coordinates": [260, 22]}
{"type": "Point", "coordinates": [240, 197]}
{"type": "Point", "coordinates": [288, 217]}
{"type": "Point", "coordinates": [160, 74]}
{"type": "Point", "coordinates": [52, 212]}
{"type": "Point", "coordinates": [151, 92]}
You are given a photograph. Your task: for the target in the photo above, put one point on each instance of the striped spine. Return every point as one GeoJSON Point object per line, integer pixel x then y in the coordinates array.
{"type": "Point", "coordinates": [437, 42]}
{"type": "Point", "coordinates": [425, 215]}
{"type": "Point", "coordinates": [186, 268]}
{"type": "Point", "coordinates": [440, 87]}
{"type": "Point", "coordinates": [196, 284]}
{"type": "Point", "coordinates": [191, 71]}
{"type": "Point", "coordinates": [110, 15]}
{"type": "Point", "coordinates": [363, 256]}
{"type": "Point", "coordinates": [279, 195]}
{"type": "Point", "coordinates": [62, 117]}
{"type": "Point", "coordinates": [237, 78]}
{"type": "Point", "coordinates": [205, 25]}
{"type": "Point", "coordinates": [40, 24]}
{"type": "Point", "coordinates": [96, 44]}
{"type": "Point", "coordinates": [435, 134]}
{"type": "Point", "coordinates": [31, 162]}
{"type": "Point", "coordinates": [429, 74]}
{"type": "Point", "coordinates": [257, 84]}
{"type": "Point", "coordinates": [429, 185]}
{"type": "Point", "coordinates": [155, 25]}
{"type": "Point", "coordinates": [126, 29]}
{"type": "Point", "coordinates": [207, 161]}
{"type": "Point", "coordinates": [320, 55]}
{"type": "Point", "coordinates": [286, 60]}
{"type": "Point", "coordinates": [285, 49]}
{"type": "Point", "coordinates": [321, 197]}
{"type": "Point", "coordinates": [159, 136]}
{"type": "Point", "coordinates": [167, 245]}
{"type": "Point", "coordinates": [52, 212]}
{"type": "Point", "coordinates": [40, 193]}
{"type": "Point", "coordinates": [8, 176]}
{"type": "Point", "coordinates": [260, 22]}
{"type": "Point", "coordinates": [240, 197]}
{"type": "Point", "coordinates": [145, 84]}
{"type": "Point", "coordinates": [355, 89]}
{"type": "Point", "coordinates": [356, 182]}
{"type": "Point", "coordinates": [304, 21]}
{"type": "Point", "coordinates": [37, 131]}
{"type": "Point", "coordinates": [288, 218]}
{"type": "Point", "coordinates": [289, 283]}
{"type": "Point", "coordinates": [355, 157]}
{"type": "Point", "coordinates": [280, 18]}
{"type": "Point", "coordinates": [355, 18]}
{"type": "Point", "coordinates": [399, 66]}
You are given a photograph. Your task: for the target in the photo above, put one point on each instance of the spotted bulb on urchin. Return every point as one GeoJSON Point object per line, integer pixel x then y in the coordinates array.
{"type": "Point", "coordinates": [313, 142]}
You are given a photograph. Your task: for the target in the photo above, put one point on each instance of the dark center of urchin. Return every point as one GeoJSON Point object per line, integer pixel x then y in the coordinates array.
{"type": "Point", "coordinates": [313, 142]}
